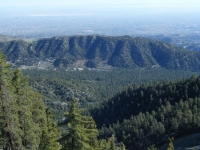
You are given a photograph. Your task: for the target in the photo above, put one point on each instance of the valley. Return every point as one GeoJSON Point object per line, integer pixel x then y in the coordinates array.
{"type": "Point", "coordinates": [99, 75]}
{"type": "Point", "coordinates": [118, 80]}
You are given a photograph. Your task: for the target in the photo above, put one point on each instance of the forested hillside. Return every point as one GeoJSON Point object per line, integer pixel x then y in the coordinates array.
{"type": "Point", "coordinates": [96, 51]}
{"type": "Point", "coordinates": [24, 123]}
{"type": "Point", "coordinates": [92, 87]}
{"type": "Point", "coordinates": [144, 115]}
{"type": "Point", "coordinates": [133, 93]}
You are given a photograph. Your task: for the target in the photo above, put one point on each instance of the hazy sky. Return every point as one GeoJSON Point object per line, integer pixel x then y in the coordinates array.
{"type": "Point", "coordinates": [87, 2]}
{"type": "Point", "coordinates": [102, 15]}
{"type": "Point", "coordinates": [143, 5]}
{"type": "Point", "coordinates": [132, 3]}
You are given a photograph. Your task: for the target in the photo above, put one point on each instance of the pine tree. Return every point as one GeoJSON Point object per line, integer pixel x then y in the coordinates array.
{"type": "Point", "coordinates": [81, 130]}
{"type": "Point", "coordinates": [112, 143]}
{"type": "Point", "coordinates": [50, 135]}
{"type": "Point", "coordinates": [103, 144]}
{"type": "Point", "coordinates": [152, 147]}
{"type": "Point", "coordinates": [122, 146]}
{"type": "Point", "coordinates": [38, 117]}
{"type": "Point", "coordinates": [9, 126]}
{"type": "Point", "coordinates": [24, 103]}
{"type": "Point", "coordinates": [22, 112]}
{"type": "Point", "coordinates": [170, 144]}
{"type": "Point", "coordinates": [31, 112]}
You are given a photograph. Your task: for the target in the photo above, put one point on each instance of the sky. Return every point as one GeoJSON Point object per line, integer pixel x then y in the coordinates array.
{"type": "Point", "coordinates": [181, 3]}
{"type": "Point", "coordinates": [153, 5]}
{"type": "Point", "coordinates": [100, 7]}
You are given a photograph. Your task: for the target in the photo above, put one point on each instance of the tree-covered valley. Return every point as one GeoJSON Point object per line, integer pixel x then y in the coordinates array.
{"type": "Point", "coordinates": [97, 92]}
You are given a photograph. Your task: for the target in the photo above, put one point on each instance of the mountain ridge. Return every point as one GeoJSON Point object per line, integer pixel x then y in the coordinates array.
{"type": "Point", "coordinates": [95, 51]}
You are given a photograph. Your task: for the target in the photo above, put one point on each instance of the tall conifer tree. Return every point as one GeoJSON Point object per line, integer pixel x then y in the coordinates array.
{"type": "Point", "coordinates": [9, 126]}
{"type": "Point", "coordinates": [50, 135]}
{"type": "Point", "coordinates": [23, 119]}
{"type": "Point", "coordinates": [81, 130]}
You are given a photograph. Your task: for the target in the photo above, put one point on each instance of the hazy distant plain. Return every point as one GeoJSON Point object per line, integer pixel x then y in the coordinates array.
{"type": "Point", "coordinates": [40, 26]}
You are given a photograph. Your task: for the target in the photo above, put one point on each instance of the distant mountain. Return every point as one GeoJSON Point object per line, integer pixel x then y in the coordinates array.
{"type": "Point", "coordinates": [96, 51]}
{"type": "Point", "coordinates": [188, 41]}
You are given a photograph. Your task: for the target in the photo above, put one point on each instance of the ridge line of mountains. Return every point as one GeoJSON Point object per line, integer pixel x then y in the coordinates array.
{"type": "Point", "coordinates": [95, 51]}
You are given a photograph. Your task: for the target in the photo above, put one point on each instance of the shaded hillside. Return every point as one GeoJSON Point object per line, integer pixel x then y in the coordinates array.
{"type": "Point", "coordinates": [146, 115]}
{"type": "Point", "coordinates": [100, 51]}
{"type": "Point", "coordinates": [93, 86]}
{"type": "Point", "coordinates": [136, 99]}
{"type": "Point", "coordinates": [191, 141]}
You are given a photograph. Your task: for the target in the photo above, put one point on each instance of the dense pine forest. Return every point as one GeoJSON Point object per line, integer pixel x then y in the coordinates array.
{"type": "Point", "coordinates": [146, 115]}
{"type": "Point", "coordinates": [99, 75]}
{"type": "Point", "coordinates": [141, 107]}
{"type": "Point", "coordinates": [92, 87]}
{"type": "Point", "coordinates": [26, 123]}
{"type": "Point", "coordinates": [140, 116]}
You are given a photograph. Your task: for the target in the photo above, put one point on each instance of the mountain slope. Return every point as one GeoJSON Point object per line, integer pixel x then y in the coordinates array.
{"type": "Point", "coordinates": [146, 115]}
{"type": "Point", "coordinates": [100, 51]}
{"type": "Point", "coordinates": [135, 100]}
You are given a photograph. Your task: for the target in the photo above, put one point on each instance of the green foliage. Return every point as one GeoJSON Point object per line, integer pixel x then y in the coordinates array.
{"type": "Point", "coordinates": [152, 147]}
{"type": "Point", "coordinates": [9, 123]}
{"type": "Point", "coordinates": [122, 146]}
{"type": "Point", "coordinates": [164, 109]}
{"type": "Point", "coordinates": [138, 115]}
{"type": "Point", "coordinates": [169, 145]}
{"type": "Point", "coordinates": [81, 130]}
{"type": "Point", "coordinates": [22, 112]}
{"type": "Point", "coordinates": [104, 144]}
{"type": "Point", "coordinates": [101, 51]}
{"type": "Point", "coordinates": [112, 143]}
{"type": "Point", "coordinates": [50, 135]}
{"type": "Point", "coordinates": [91, 87]}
